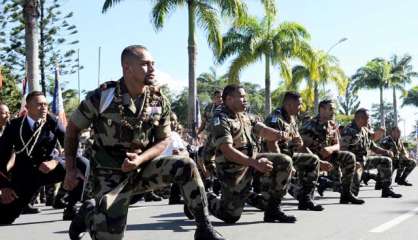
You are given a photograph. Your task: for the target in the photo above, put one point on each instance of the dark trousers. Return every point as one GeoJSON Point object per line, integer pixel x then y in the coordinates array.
{"type": "Point", "coordinates": [26, 184]}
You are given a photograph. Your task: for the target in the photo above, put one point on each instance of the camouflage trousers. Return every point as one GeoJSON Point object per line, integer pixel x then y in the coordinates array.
{"type": "Point", "coordinates": [307, 169]}
{"type": "Point", "coordinates": [236, 184]}
{"type": "Point", "coordinates": [345, 163]}
{"type": "Point", "coordinates": [381, 163]}
{"type": "Point", "coordinates": [112, 191]}
{"type": "Point", "coordinates": [404, 166]}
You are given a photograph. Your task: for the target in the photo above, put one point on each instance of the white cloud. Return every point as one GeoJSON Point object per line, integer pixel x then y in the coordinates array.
{"type": "Point", "coordinates": [173, 83]}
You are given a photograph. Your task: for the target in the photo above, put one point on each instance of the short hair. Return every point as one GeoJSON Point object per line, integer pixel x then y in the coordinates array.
{"type": "Point", "coordinates": [290, 95]}
{"type": "Point", "coordinates": [325, 102]}
{"type": "Point", "coordinates": [229, 90]}
{"type": "Point", "coordinates": [33, 94]}
{"type": "Point", "coordinates": [361, 112]}
{"type": "Point", "coordinates": [129, 52]}
{"type": "Point", "coordinates": [216, 92]}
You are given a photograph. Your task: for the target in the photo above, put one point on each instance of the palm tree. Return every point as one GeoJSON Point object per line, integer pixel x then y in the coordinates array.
{"type": "Point", "coordinates": [251, 40]}
{"type": "Point", "coordinates": [411, 97]}
{"type": "Point", "coordinates": [201, 12]}
{"type": "Point", "coordinates": [377, 73]}
{"type": "Point", "coordinates": [403, 73]}
{"type": "Point", "coordinates": [30, 15]}
{"type": "Point", "coordinates": [319, 69]}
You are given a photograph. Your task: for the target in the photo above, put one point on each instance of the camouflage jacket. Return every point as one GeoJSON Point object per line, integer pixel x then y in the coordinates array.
{"type": "Point", "coordinates": [316, 136]}
{"type": "Point", "coordinates": [121, 123]}
{"type": "Point", "coordinates": [208, 114]}
{"type": "Point", "coordinates": [281, 121]}
{"type": "Point", "coordinates": [357, 140]}
{"type": "Point", "coordinates": [236, 129]}
{"type": "Point", "coordinates": [396, 147]}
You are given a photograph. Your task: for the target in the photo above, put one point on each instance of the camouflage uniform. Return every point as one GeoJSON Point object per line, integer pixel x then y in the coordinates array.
{"type": "Point", "coordinates": [122, 124]}
{"type": "Point", "coordinates": [316, 136]}
{"type": "Point", "coordinates": [359, 141]}
{"type": "Point", "coordinates": [237, 129]}
{"type": "Point", "coordinates": [208, 148]}
{"type": "Point", "coordinates": [306, 164]}
{"type": "Point", "coordinates": [401, 161]}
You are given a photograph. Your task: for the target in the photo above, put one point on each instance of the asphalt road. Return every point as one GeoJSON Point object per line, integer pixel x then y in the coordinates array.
{"type": "Point", "coordinates": [380, 219]}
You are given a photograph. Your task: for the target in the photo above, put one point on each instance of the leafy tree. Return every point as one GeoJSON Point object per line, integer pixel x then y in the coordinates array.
{"type": "Point", "coordinates": [402, 71]}
{"type": "Point", "coordinates": [376, 115]}
{"type": "Point", "coordinates": [10, 94]}
{"type": "Point", "coordinates": [349, 103]}
{"type": "Point", "coordinates": [411, 97]}
{"type": "Point", "coordinates": [206, 14]}
{"type": "Point", "coordinates": [252, 40]}
{"type": "Point", "coordinates": [377, 73]}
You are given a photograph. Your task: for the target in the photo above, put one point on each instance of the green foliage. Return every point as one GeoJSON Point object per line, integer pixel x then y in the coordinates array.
{"type": "Point", "coordinates": [411, 97]}
{"type": "Point", "coordinates": [349, 103]}
{"type": "Point", "coordinates": [343, 119]}
{"type": "Point", "coordinates": [388, 112]}
{"type": "Point", "coordinates": [9, 93]}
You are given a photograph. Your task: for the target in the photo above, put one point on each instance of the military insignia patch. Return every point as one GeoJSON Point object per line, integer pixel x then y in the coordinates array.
{"type": "Point", "coordinates": [216, 121]}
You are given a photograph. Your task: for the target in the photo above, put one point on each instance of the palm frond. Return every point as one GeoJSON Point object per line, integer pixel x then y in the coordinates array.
{"type": "Point", "coordinates": [208, 20]}
{"type": "Point", "coordinates": [108, 4]}
{"type": "Point", "coordinates": [162, 9]}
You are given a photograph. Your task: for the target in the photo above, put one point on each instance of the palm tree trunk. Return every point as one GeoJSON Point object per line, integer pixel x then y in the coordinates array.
{"type": "Point", "coordinates": [395, 108]}
{"type": "Point", "coordinates": [382, 111]}
{"type": "Point", "coordinates": [191, 117]}
{"type": "Point", "coordinates": [31, 44]}
{"type": "Point", "coordinates": [267, 106]}
{"type": "Point", "coordinates": [42, 46]}
{"type": "Point", "coordinates": [316, 98]}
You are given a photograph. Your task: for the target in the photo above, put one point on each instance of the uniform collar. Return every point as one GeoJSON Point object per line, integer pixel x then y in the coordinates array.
{"type": "Point", "coordinates": [284, 114]}
{"type": "Point", "coordinates": [229, 112]}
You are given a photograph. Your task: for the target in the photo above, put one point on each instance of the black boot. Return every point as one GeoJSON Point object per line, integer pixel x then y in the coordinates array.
{"type": "Point", "coordinates": [387, 191]}
{"type": "Point", "coordinates": [175, 195]}
{"type": "Point", "coordinates": [378, 185]}
{"type": "Point", "coordinates": [136, 198]}
{"type": "Point", "coordinates": [403, 182]}
{"type": "Point", "coordinates": [69, 213]}
{"type": "Point", "coordinates": [152, 197]}
{"type": "Point", "coordinates": [187, 212]}
{"type": "Point", "coordinates": [347, 197]}
{"type": "Point", "coordinates": [323, 183]}
{"type": "Point", "coordinates": [273, 213]}
{"type": "Point", "coordinates": [30, 209]}
{"type": "Point", "coordinates": [306, 203]}
{"type": "Point", "coordinates": [366, 176]}
{"type": "Point", "coordinates": [78, 225]}
{"type": "Point", "coordinates": [204, 230]}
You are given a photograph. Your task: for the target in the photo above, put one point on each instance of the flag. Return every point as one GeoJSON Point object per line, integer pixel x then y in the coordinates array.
{"type": "Point", "coordinates": [57, 102]}
{"type": "Point", "coordinates": [198, 117]}
{"type": "Point", "coordinates": [23, 110]}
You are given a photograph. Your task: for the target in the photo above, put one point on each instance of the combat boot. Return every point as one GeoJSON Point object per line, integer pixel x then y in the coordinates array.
{"type": "Point", "coordinates": [273, 213]}
{"type": "Point", "coordinates": [366, 176]}
{"type": "Point", "coordinates": [152, 197]}
{"type": "Point", "coordinates": [306, 203]}
{"type": "Point", "coordinates": [347, 197]}
{"type": "Point", "coordinates": [403, 182]}
{"type": "Point", "coordinates": [69, 213]}
{"type": "Point", "coordinates": [204, 230]}
{"type": "Point", "coordinates": [378, 185]}
{"type": "Point", "coordinates": [323, 183]}
{"type": "Point", "coordinates": [387, 192]}
{"type": "Point", "coordinates": [78, 227]}
{"type": "Point", "coordinates": [187, 212]}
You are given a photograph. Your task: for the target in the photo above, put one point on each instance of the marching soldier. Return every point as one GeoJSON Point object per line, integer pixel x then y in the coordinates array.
{"type": "Point", "coordinates": [237, 160]}
{"type": "Point", "coordinates": [357, 138]}
{"type": "Point", "coordinates": [131, 122]}
{"type": "Point", "coordinates": [321, 136]}
{"type": "Point", "coordinates": [403, 164]}
{"type": "Point", "coordinates": [307, 165]}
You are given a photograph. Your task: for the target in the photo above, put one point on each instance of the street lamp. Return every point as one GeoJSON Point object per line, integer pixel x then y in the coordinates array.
{"type": "Point", "coordinates": [335, 44]}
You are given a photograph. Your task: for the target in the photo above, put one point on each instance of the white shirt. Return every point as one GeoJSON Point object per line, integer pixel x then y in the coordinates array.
{"type": "Point", "coordinates": [176, 143]}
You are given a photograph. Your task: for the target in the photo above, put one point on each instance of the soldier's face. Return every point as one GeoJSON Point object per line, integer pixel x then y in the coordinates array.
{"type": "Point", "coordinates": [237, 101]}
{"type": "Point", "coordinates": [217, 99]}
{"type": "Point", "coordinates": [295, 106]}
{"type": "Point", "coordinates": [4, 114]}
{"type": "Point", "coordinates": [37, 107]}
{"type": "Point", "coordinates": [328, 111]}
{"type": "Point", "coordinates": [396, 133]}
{"type": "Point", "coordinates": [141, 69]}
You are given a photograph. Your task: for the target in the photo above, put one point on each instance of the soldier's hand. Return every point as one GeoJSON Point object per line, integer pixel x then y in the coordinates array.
{"type": "Point", "coordinates": [325, 153]}
{"type": "Point", "coordinates": [297, 141]}
{"type": "Point", "coordinates": [46, 167]}
{"type": "Point", "coordinates": [325, 166]}
{"type": "Point", "coordinates": [132, 162]}
{"type": "Point", "coordinates": [378, 134]}
{"type": "Point", "coordinates": [263, 165]}
{"type": "Point", "coordinates": [389, 154]}
{"type": "Point", "coordinates": [283, 136]}
{"type": "Point", "coordinates": [72, 178]}
{"type": "Point", "coordinates": [7, 196]}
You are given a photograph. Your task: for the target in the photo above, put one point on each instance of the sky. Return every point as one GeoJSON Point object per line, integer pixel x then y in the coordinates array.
{"type": "Point", "coordinates": [373, 28]}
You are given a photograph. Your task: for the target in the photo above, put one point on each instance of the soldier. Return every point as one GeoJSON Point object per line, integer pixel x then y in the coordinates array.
{"type": "Point", "coordinates": [209, 111]}
{"type": "Point", "coordinates": [401, 161]}
{"type": "Point", "coordinates": [307, 165]}
{"type": "Point", "coordinates": [357, 138]}
{"type": "Point", "coordinates": [4, 117]}
{"type": "Point", "coordinates": [237, 161]}
{"type": "Point", "coordinates": [321, 136]}
{"type": "Point", "coordinates": [131, 122]}
{"type": "Point", "coordinates": [32, 138]}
